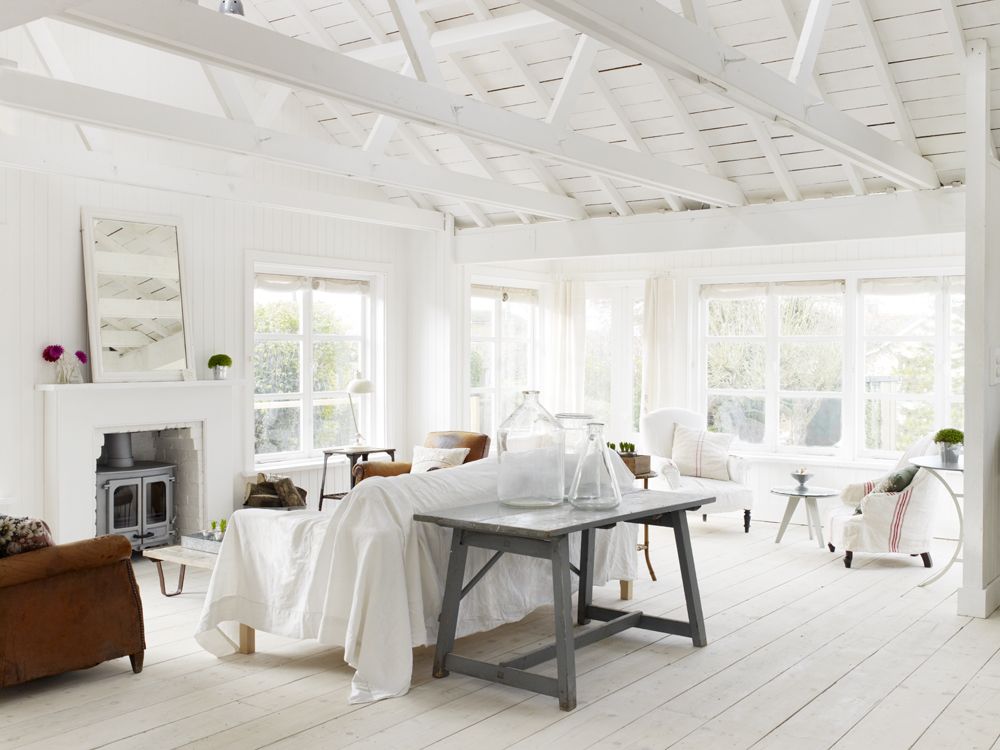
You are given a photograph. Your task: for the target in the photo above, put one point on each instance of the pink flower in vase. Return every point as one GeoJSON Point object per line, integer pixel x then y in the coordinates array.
{"type": "Point", "coordinates": [81, 357]}
{"type": "Point", "coordinates": [52, 353]}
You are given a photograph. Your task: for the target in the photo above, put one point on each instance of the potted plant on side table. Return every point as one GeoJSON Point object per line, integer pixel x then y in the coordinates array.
{"type": "Point", "coordinates": [950, 443]}
{"type": "Point", "coordinates": [219, 364]}
{"type": "Point", "coordinates": [636, 462]}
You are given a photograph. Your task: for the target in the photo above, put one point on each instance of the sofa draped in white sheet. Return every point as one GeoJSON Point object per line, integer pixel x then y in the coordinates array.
{"type": "Point", "coordinates": [369, 578]}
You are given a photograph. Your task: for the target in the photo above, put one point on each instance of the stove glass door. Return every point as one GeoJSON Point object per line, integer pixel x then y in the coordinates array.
{"type": "Point", "coordinates": [124, 508]}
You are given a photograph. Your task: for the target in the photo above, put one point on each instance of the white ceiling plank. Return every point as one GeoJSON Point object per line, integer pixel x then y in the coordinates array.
{"type": "Point", "coordinates": [345, 118]}
{"type": "Point", "coordinates": [955, 31]}
{"type": "Point", "coordinates": [19, 12]}
{"type": "Point", "coordinates": [54, 63]}
{"type": "Point", "coordinates": [50, 158]}
{"type": "Point", "coordinates": [422, 57]}
{"type": "Point", "coordinates": [866, 25]}
{"type": "Point", "coordinates": [807, 50]}
{"type": "Point", "coordinates": [576, 75]}
{"type": "Point", "coordinates": [770, 151]}
{"type": "Point", "coordinates": [614, 195]}
{"type": "Point", "coordinates": [211, 37]}
{"type": "Point", "coordinates": [318, 33]}
{"type": "Point", "coordinates": [687, 123]}
{"type": "Point", "coordinates": [656, 36]}
{"type": "Point", "coordinates": [368, 21]}
{"type": "Point", "coordinates": [472, 36]}
{"type": "Point", "coordinates": [84, 104]}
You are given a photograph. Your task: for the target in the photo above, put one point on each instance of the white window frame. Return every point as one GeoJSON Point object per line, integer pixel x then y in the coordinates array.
{"type": "Point", "coordinates": [623, 296]}
{"type": "Point", "coordinates": [497, 390]}
{"type": "Point", "coordinates": [852, 445]}
{"type": "Point", "coordinates": [372, 355]}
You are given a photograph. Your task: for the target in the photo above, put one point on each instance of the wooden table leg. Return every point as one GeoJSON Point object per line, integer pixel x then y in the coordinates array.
{"type": "Point", "coordinates": [563, 605]}
{"type": "Point", "coordinates": [789, 511]}
{"type": "Point", "coordinates": [180, 579]}
{"type": "Point", "coordinates": [812, 517]}
{"type": "Point", "coordinates": [248, 639]}
{"type": "Point", "coordinates": [585, 594]}
{"type": "Point", "coordinates": [448, 619]}
{"type": "Point", "coordinates": [685, 556]}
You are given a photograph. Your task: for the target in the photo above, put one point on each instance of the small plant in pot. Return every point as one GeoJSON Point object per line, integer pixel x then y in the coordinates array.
{"type": "Point", "coordinates": [220, 364]}
{"type": "Point", "coordinates": [626, 449]}
{"type": "Point", "coordinates": [950, 442]}
{"type": "Point", "coordinates": [223, 525]}
{"type": "Point", "coordinates": [215, 529]}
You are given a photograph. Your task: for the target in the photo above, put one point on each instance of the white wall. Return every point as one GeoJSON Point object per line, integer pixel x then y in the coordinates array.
{"type": "Point", "coordinates": [43, 301]}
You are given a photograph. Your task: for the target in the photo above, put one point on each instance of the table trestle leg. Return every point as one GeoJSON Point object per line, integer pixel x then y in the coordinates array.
{"type": "Point", "coordinates": [448, 619]}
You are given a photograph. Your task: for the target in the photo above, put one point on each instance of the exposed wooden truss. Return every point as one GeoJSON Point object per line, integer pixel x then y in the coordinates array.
{"type": "Point", "coordinates": [656, 36]}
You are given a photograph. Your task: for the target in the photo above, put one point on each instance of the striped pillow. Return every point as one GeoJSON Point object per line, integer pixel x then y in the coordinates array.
{"type": "Point", "coordinates": [430, 459]}
{"type": "Point", "coordinates": [699, 453]}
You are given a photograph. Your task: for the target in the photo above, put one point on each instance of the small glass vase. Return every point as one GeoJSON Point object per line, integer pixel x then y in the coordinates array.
{"type": "Point", "coordinates": [950, 452]}
{"type": "Point", "coordinates": [531, 447]}
{"type": "Point", "coordinates": [68, 371]}
{"type": "Point", "coordinates": [594, 484]}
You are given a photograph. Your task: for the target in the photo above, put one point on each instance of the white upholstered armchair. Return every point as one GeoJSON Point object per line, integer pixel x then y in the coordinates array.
{"type": "Point", "coordinates": [656, 437]}
{"type": "Point", "coordinates": [899, 522]}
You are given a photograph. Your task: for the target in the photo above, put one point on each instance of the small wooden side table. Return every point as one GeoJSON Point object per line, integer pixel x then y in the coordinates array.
{"type": "Point", "coordinates": [354, 453]}
{"type": "Point", "coordinates": [644, 547]}
{"type": "Point", "coordinates": [181, 556]}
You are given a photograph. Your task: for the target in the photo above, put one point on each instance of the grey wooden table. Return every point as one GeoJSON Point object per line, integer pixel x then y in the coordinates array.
{"type": "Point", "coordinates": [544, 533]}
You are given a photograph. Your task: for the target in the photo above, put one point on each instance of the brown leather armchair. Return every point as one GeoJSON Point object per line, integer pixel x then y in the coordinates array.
{"type": "Point", "coordinates": [477, 443]}
{"type": "Point", "coordinates": [66, 607]}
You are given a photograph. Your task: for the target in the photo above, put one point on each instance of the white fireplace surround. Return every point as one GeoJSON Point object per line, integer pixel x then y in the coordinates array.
{"type": "Point", "coordinates": [78, 416]}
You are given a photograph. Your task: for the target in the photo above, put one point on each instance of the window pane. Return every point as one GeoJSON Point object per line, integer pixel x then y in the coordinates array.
{"type": "Point", "coordinates": [597, 376]}
{"type": "Point", "coordinates": [481, 364]}
{"type": "Point", "coordinates": [809, 422]}
{"type": "Point", "coordinates": [958, 368]}
{"type": "Point", "coordinates": [637, 323]}
{"type": "Point", "coordinates": [277, 427]}
{"type": "Point", "coordinates": [338, 313]}
{"type": "Point", "coordinates": [277, 367]}
{"type": "Point", "coordinates": [892, 425]}
{"type": "Point", "coordinates": [334, 364]}
{"type": "Point", "coordinates": [277, 312]}
{"type": "Point", "coordinates": [482, 317]}
{"type": "Point", "coordinates": [333, 423]}
{"type": "Point", "coordinates": [516, 319]}
{"type": "Point", "coordinates": [958, 415]}
{"type": "Point", "coordinates": [509, 401]}
{"type": "Point", "coordinates": [899, 314]}
{"type": "Point", "coordinates": [899, 367]}
{"type": "Point", "coordinates": [812, 367]}
{"type": "Point", "coordinates": [514, 364]}
{"type": "Point", "coordinates": [735, 364]}
{"type": "Point", "coordinates": [739, 415]}
{"type": "Point", "coordinates": [481, 413]}
{"type": "Point", "coordinates": [812, 316]}
{"type": "Point", "coordinates": [736, 317]}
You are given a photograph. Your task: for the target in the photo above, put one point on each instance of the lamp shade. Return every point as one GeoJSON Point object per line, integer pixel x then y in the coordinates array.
{"type": "Point", "coordinates": [360, 385]}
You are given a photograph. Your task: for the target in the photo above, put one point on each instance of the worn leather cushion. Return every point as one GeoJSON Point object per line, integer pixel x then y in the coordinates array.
{"type": "Point", "coordinates": [429, 459]}
{"type": "Point", "coordinates": [18, 535]}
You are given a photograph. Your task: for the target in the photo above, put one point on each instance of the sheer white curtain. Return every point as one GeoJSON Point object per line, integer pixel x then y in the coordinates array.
{"type": "Point", "coordinates": [658, 333]}
{"type": "Point", "coordinates": [565, 360]}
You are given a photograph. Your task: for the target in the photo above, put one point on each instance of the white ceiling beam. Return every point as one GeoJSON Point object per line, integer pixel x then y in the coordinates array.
{"type": "Point", "coordinates": [688, 126]}
{"type": "Point", "coordinates": [656, 36]}
{"type": "Point", "coordinates": [767, 145]}
{"type": "Point", "coordinates": [413, 32]}
{"type": "Point", "coordinates": [869, 32]}
{"type": "Point", "coordinates": [632, 134]}
{"type": "Point", "coordinates": [368, 21]}
{"type": "Point", "coordinates": [571, 86]}
{"type": "Point", "coordinates": [807, 50]}
{"type": "Point", "coordinates": [135, 265]}
{"type": "Point", "coordinates": [227, 92]}
{"type": "Point", "coordinates": [49, 158]}
{"type": "Point", "coordinates": [19, 12]}
{"type": "Point", "coordinates": [956, 32]}
{"type": "Point", "coordinates": [808, 222]}
{"type": "Point", "coordinates": [208, 36]}
{"type": "Point", "coordinates": [618, 201]}
{"type": "Point", "coordinates": [121, 339]}
{"type": "Point", "coordinates": [270, 106]}
{"type": "Point", "coordinates": [73, 102]}
{"type": "Point", "coordinates": [140, 309]}
{"type": "Point", "coordinates": [477, 35]}
{"type": "Point", "coordinates": [696, 11]}
{"type": "Point", "coordinates": [55, 65]}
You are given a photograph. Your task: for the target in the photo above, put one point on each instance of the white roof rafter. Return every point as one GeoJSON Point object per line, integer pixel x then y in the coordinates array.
{"type": "Point", "coordinates": [656, 36]}
{"type": "Point", "coordinates": [208, 36]}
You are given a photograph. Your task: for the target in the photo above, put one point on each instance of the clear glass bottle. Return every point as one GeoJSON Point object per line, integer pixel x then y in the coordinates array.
{"type": "Point", "coordinates": [531, 446]}
{"type": "Point", "coordinates": [594, 486]}
{"type": "Point", "coordinates": [576, 431]}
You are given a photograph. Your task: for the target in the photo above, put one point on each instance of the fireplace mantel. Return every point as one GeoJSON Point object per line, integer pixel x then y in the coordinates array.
{"type": "Point", "coordinates": [78, 415]}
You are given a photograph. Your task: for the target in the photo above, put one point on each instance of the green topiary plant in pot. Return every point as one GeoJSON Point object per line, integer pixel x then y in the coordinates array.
{"type": "Point", "coordinates": [220, 364]}
{"type": "Point", "coordinates": [950, 443]}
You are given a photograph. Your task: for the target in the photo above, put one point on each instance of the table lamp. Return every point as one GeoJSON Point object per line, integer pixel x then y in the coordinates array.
{"type": "Point", "coordinates": [356, 387]}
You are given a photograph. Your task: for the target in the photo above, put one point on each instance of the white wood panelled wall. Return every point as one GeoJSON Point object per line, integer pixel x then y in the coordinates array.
{"type": "Point", "coordinates": [43, 300]}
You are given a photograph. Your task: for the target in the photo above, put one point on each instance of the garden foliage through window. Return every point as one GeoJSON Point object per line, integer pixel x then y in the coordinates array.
{"type": "Point", "coordinates": [310, 336]}
{"type": "Point", "coordinates": [865, 366]}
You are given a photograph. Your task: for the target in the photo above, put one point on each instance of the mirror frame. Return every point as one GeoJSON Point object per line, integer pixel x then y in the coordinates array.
{"type": "Point", "coordinates": [88, 217]}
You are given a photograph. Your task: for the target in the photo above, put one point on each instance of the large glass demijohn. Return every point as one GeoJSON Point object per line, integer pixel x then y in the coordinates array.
{"type": "Point", "coordinates": [594, 485]}
{"type": "Point", "coordinates": [531, 450]}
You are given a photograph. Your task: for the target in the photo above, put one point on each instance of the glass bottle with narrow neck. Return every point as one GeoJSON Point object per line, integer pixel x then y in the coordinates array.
{"type": "Point", "coordinates": [594, 486]}
{"type": "Point", "coordinates": [530, 448]}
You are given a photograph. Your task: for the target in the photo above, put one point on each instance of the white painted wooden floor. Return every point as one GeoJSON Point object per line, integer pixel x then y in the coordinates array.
{"type": "Point", "coordinates": [802, 654]}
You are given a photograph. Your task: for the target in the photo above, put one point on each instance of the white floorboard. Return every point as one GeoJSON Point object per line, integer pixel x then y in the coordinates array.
{"type": "Point", "coordinates": [802, 653]}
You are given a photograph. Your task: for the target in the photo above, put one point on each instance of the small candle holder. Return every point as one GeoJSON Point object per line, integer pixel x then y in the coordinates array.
{"type": "Point", "coordinates": [801, 476]}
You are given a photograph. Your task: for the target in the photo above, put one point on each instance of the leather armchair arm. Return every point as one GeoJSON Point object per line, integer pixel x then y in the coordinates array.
{"type": "Point", "coordinates": [367, 469]}
{"type": "Point", "coordinates": [64, 558]}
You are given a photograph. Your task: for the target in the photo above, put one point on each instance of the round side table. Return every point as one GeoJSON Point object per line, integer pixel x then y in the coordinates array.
{"type": "Point", "coordinates": [809, 495]}
{"type": "Point", "coordinates": [935, 466]}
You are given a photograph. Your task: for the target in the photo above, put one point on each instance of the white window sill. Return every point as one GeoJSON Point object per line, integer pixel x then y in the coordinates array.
{"type": "Point", "coordinates": [811, 459]}
{"type": "Point", "coordinates": [297, 464]}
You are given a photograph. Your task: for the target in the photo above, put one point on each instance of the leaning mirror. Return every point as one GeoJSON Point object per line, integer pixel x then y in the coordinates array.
{"type": "Point", "coordinates": [136, 305]}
